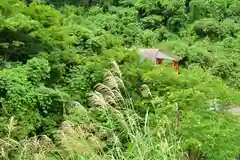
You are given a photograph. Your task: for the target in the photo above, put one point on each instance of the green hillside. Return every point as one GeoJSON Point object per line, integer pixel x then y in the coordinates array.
{"type": "Point", "coordinates": [72, 86]}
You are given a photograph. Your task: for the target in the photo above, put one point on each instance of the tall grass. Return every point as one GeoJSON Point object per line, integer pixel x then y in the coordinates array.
{"type": "Point", "coordinates": [132, 137]}
{"type": "Point", "coordinates": [33, 148]}
{"type": "Point", "coordinates": [144, 142]}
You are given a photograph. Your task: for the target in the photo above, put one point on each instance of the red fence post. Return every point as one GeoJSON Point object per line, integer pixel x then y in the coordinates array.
{"type": "Point", "coordinates": [175, 65]}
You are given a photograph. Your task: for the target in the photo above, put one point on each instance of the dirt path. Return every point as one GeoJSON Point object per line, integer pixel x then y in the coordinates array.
{"type": "Point", "coordinates": [235, 111]}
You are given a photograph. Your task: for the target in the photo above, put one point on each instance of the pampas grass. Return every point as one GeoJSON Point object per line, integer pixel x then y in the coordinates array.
{"type": "Point", "coordinates": [108, 94]}
{"type": "Point", "coordinates": [74, 140]}
{"type": "Point", "coordinates": [97, 99]}
{"type": "Point", "coordinates": [80, 141]}
{"type": "Point", "coordinates": [115, 68]}
{"type": "Point", "coordinates": [143, 145]}
{"type": "Point", "coordinates": [35, 148]}
{"type": "Point", "coordinates": [145, 91]}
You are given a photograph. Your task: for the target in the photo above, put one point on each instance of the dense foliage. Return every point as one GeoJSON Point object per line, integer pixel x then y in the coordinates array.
{"type": "Point", "coordinates": [69, 82]}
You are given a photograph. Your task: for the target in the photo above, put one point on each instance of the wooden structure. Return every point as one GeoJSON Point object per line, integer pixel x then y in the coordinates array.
{"type": "Point", "coordinates": [158, 56]}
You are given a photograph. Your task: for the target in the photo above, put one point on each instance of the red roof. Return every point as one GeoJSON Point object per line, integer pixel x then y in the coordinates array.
{"type": "Point", "coordinates": [154, 53]}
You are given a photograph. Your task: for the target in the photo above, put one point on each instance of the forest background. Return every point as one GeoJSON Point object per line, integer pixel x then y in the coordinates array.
{"type": "Point", "coordinates": [69, 80]}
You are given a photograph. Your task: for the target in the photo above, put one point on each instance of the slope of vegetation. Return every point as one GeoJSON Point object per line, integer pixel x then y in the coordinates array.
{"type": "Point", "coordinates": [69, 84]}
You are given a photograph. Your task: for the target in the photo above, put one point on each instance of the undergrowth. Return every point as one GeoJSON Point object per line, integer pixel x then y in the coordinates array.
{"type": "Point", "coordinates": [124, 134]}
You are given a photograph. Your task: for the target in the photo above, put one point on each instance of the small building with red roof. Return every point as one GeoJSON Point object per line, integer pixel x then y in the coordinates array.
{"type": "Point", "coordinates": [157, 56]}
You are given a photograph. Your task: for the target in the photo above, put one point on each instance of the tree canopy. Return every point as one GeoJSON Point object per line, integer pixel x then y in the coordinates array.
{"type": "Point", "coordinates": [71, 85]}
